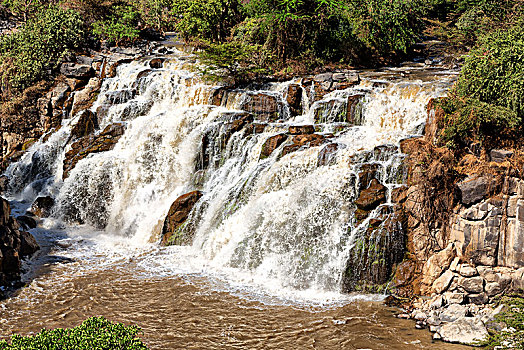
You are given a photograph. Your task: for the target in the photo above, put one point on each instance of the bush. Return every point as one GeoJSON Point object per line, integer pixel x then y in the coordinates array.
{"type": "Point", "coordinates": [494, 71]}
{"type": "Point", "coordinates": [206, 19]}
{"type": "Point", "coordinates": [95, 333]}
{"type": "Point", "coordinates": [233, 62]}
{"type": "Point", "coordinates": [470, 119]}
{"type": "Point", "coordinates": [488, 97]}
{"type": "Point", "coordinates": [24, 8]}
{"type": "Point", "coordinates": [120, 26]}
{"type": "Point", "coordinates": [388, 26]}
{"type": "Point", "coordinates": [29, 54]}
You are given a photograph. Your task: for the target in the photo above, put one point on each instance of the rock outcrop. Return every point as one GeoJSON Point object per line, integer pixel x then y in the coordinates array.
{"type": "Point", "coordinates": [176, 217]}
{"type": "Point", "coordinates": [104, 141]}
{"type": "Point", "coordinates": [15, 245]}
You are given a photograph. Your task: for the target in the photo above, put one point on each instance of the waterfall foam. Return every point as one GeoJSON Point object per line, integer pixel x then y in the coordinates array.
{"type": "Point", "coordinates": [286, 222]}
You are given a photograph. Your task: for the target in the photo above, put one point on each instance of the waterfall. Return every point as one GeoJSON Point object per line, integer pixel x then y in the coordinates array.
{"type": "Point", "coordinates": [287, 217]}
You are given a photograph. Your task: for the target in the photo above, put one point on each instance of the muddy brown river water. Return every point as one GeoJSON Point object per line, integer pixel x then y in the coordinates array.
{"type": "Point", "coordinates": [190, 310]}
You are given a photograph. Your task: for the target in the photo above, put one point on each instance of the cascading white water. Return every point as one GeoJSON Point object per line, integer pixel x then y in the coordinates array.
{"type": "Point", "coordinates": [286, 222]}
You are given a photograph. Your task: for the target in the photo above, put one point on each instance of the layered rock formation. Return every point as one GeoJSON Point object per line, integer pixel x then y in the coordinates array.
{"type": "Point", "coordinates": [465, 235]}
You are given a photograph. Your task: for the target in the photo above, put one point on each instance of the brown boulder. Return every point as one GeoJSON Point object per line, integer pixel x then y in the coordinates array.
{"type": "Point", "coordinates": [301, 129]}
{"type": "Point", "coordinates": [42, 206]}
{"type": "Point", "coordinates": [327, 154]}
{"type": "Point", "coordinates": [271, 144]}
{"type": "Point", "coordinates": [177, 215]}
{"type": "Point", "coordinates": [300, 141]}
{"type": "Point", "coordinates": [372, 197]}
{"type": "Point", "coordinates": [156, 63]}
{"type": "Point", "coordinates": [294, 99]}
{"type": "Point", "coordinates": [354, 109]}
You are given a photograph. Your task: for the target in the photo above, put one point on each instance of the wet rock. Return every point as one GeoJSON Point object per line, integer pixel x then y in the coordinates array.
{"type": "Point", "coordinates": [375, 252]}
{"type": "Point", "coordinates": [77, 71]}
{"type": "Point", "coordinates": [371, 197]}
{"type": "Point", "coordinates": [294, 99]}
{"type": "Point", "coordinates": [500, 155]}
{"type": "Point", "coordinates": [354, 109]}
{"type": "Point", "coordinates": [368, 172]}
{"type": "Point", "coordinates": [4, 182]}
{"type": "Point", "coordinates": [263, 106]}
{"type": "Point", "coordinates": [85, 98]}
{"type": "Point", "coordinates": [177, 215]}
{"type": "Point", "coordinates": [271, 144]}
{"type": "Point", "coordinates": [28, 244]}
{"type": "Point", "coordinates": [301, 129]}
{"type": "Point", "coordinates": [42, 206]}
{"type": "Point", "coordinates": [303, 141]}
{"type": "Point", "coordinates": [86, 124]}
{"type": "Point", "coordinates": [327, 154]}
{"type": "Point", "coordinates": [27, 222]}
{"type": "Point", "coordinates": [156, 63]}
{"type": "Point", "coordinates": [331, 111]}
{"type": "Point", "coordinates": [104, 141]}
{"type": "Point", "coordinates": [465, 330]}
{"type": "Point", "coordinates": [475, 188]}
{"type": "Point", "coordinates": [14, 245]}
{"type": "Point", "coordinates": [255, 128]}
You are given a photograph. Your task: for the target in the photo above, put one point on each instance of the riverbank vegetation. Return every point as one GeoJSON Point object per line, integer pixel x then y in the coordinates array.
{"type": "Point", "coordinates": [95, 333]}
{"type": "Point", "coordinates": [487, 102]}
{"type": "Point", "coordinates": [288, 36]}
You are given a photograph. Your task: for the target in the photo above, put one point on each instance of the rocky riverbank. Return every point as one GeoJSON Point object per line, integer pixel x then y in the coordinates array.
{"type": "Point", "coordinates": [464, 231]}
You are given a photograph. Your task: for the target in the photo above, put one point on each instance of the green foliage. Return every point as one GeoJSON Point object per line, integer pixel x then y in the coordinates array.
{"type": "Point", "coordinates": [470, 119]}
{"type": "Point", "coordinates": [206, 19]}
{"type": "Point", "coordinates": [155, 14]}
{"type": "Point", "coordinates": [120, 26]}
{"type": "Point", "coordinates": [512, 337]}
{"type": "Point", "coordinates": [494, 71]}
{"type": "Point", "coordinates": [95, 333]}
{"type": "Point", "coordinates": [488, 97]}
{"type": "Point", "coordinates": [234, 62]}
{"type": "Point", "coordinates": [23, 8]}
{"type": "Point", "coordinates": [39, 46]}
{"type": "Point", "coordinates": [388, 25]}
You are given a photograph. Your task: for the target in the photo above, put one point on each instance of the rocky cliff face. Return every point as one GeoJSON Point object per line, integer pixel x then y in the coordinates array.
{"type": "Point", "coordinates": [465, 233]}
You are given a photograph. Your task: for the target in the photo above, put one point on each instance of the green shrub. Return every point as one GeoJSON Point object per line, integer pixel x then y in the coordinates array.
{"type": "Point", "coordinates": [23, 8]}
{"type": "Point", "coordinates": [120, 26]}
{"type": "Point", "coordinates": [95, 333]}
{"type": "Point", "coordinates": [471, 119]}
{"type": "Point", "coordinates": [39, 46]}
{"type": "Point", "coordinates": [488, 97]}
{"type": "Point", "coordinates": [388, 25]}
{"type": "Point", "coordinates": [233, 62]}
{"type": "Point", "coordinates": [494, 71]}
{"type": "Point", "coordinates": [206, 19]}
